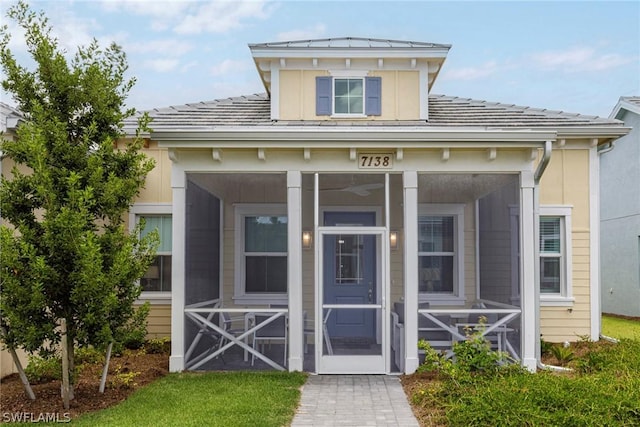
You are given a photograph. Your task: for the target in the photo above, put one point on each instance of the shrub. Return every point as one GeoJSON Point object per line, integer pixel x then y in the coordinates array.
{"type": "Point", "coordinates": [44, 369]}
{"type": "Point", "coordinates": [158, 345]}
{"type": "Point", "coordinates": [123, 378]}
{"type": "Point", "coordinates": [88, 355]}
{"type": "Point", "coordinates": [562, 354]}
{"type": "Point", "coordinates": [132, 335]}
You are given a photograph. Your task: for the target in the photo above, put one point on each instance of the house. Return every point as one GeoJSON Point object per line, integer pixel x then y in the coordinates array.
{"type": "Point", "coordinates": [620, 214]}
{"type": "Point", "coordinates": [352, 211]}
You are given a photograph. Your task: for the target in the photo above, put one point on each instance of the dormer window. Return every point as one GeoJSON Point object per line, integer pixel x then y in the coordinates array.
{"type": "Point", "coordinates": [348, 96]}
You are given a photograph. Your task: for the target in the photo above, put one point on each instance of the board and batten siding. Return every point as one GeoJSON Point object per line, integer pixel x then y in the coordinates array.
{"type": "Point", "coordinates": [400, 99]}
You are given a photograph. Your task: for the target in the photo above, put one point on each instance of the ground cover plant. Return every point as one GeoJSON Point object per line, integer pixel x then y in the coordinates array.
{"type": "Point", "coordinates": [603, 388]}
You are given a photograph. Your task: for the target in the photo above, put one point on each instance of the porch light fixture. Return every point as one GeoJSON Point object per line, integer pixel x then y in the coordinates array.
{"type": "Point", "coordinates": [393, 240]}
{"type": "Point", "coordinates": [307, 239]}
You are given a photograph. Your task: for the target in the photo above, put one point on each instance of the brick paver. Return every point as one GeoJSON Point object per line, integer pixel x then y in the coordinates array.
{"type": "Point", "coordinates": [355, 401]}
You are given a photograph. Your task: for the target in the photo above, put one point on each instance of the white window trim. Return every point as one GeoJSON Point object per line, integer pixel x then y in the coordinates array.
{"type": "Point", "coordinates": [240, 296]}
{"type": "Point", "coordinates": [348, 74]}
{"type": "Point", "coordinates": [565, 297]}
{"type": "Point", "coordinates": [457, 211]}
{"type": "Point", "coordinates": [134, 217]}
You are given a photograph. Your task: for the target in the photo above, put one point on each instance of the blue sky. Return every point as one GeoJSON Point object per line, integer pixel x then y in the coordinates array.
{"type": "Point", "coordinates": [574, 56]}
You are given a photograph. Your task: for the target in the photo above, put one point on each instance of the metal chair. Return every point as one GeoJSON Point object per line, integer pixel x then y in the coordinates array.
{"type": "Point", "coordinates": [275, 330]}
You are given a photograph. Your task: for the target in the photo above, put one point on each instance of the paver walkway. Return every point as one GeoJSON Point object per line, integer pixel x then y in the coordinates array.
{"type": "Point", "coordinates": [354, 400]}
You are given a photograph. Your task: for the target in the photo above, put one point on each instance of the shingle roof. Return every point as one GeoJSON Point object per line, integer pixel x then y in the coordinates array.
{"type": "Point", "coordinates": [444, 111]}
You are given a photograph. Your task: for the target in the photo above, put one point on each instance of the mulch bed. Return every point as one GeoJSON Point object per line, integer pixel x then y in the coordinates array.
{"type": "Point", "coordinates": [14, 400]}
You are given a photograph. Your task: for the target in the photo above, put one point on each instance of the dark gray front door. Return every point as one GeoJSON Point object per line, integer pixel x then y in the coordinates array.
{"type": "Point", "coordinates": [350, 275]}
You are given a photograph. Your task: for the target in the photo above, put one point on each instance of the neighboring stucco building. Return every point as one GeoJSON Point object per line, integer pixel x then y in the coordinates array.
{"type": "Point", "coordinates": [360, 207]}
{"type": "Point", "coordinates": [620, 214]}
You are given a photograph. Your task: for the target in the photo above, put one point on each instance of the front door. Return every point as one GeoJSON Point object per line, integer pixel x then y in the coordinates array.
{"type": "Point", "coordinates": [351, 290]}
{"type": "Point", "coordinates": [350, 275]}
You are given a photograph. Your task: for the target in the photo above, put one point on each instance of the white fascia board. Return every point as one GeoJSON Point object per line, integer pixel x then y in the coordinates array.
{"type": "Point", "coordinates": [291, 138]}
{"type": "Point", "coordinates": [600, 132]}
{"type": "Point", "coordinates": [624, 105]}
{"type": "Point", "coordinates": [368, 52]}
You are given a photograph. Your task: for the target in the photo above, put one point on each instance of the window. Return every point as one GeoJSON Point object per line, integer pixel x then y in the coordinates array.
{"type": "Point", "coordinates": [158, 276]}
{"type": "Point", "coordinates": [348, 96]}
{"type": "Point", "coordinates": [261, 253]}
{"type": "Point", "coordinates": [555, 255]}
{"type": "Point", "coordinates": [550, 255]}
{"type": "Point", "coordinates": [440, 253]}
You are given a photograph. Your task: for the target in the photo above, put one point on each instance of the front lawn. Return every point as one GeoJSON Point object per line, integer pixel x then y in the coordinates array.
{"type": "Point", "coordinates": [208, 399]}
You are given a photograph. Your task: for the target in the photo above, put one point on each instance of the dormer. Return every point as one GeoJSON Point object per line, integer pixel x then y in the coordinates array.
{"type": "Point", "coordinates": [349, 78]}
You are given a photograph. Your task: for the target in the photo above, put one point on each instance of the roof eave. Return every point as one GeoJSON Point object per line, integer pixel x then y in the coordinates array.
{"type": "Point", "coordinates": [292, 137]}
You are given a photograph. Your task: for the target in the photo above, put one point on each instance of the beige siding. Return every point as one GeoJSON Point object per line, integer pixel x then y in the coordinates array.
{"type": "Point", "coordinates": [157, 188]}
{"type": "Point", "coordinates": [7, 367]}
{"type": "Point", "coordinates": [159, 321]}
{"type": "Point", "coordinates": [400, 95]}
{"type": "Point", "coordinates": [566, 182]}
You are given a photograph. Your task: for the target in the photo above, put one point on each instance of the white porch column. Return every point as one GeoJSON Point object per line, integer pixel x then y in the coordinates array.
{"type": "Point", "coordinates": [176, 361]}
{"type": "Point", "coordinates": [530, 288]}
{"type": "Point", "coordinates": [294, 233]}
{"type": "Point", "coordinates": [410, 179]}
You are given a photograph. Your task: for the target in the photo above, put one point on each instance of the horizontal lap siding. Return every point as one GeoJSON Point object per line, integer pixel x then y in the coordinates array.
{"type": "Point", "coordinates": [558, 324]}
{"type": "Point", "coordinates": [159, 321]}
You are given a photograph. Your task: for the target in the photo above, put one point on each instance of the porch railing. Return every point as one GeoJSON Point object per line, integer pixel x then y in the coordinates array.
{"type": "Point", "coordinates": [203, 315]}
{"type": "Point", "coordinates": [453, 322]}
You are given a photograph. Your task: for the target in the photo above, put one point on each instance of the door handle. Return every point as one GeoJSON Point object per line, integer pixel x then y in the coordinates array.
{"type": "Point", "coordinates": [370, 293]}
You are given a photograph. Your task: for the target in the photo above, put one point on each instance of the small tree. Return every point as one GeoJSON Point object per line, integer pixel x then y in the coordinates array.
{"type": "Point", "coordinates": [68, 255]}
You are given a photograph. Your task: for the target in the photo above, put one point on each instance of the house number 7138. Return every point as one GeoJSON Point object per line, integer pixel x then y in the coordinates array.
{"type": "Point", "coordinates": [375, 161]}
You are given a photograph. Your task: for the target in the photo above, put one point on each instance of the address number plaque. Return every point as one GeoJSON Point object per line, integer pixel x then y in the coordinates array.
{"type": "Point", "coordinates": [375, 161]}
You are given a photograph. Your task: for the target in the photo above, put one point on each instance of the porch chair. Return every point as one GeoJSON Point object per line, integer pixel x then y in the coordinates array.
{"type": "Point", "coordinates": [274, 331]}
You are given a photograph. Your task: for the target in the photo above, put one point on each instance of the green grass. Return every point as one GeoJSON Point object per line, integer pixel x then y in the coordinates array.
{"type": "Point", "coordinates": [616, 327]}
{"type": "Point", "coordinates": [207, 399]}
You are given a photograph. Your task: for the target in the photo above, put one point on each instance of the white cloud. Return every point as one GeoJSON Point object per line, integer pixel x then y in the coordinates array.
{"type": "Point", "coordinates": [162, 65]}
{"type": "Point", "coordinates": [472, 73]}
{"type": "Point", "coordinates": [316, 32]}
{"type": "Point", "coordinates": [166, 47]}
{"type": "Point", "coordinates": [220, 16]}
{"type": "Point", "coordinates": [579, 58]}
{"type": "Point", "coordinates": [229, 67]}
{"type": "Point", "coordinates": [162, 12]}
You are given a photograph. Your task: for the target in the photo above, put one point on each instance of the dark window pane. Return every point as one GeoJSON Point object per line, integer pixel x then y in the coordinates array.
{"type": "Point", "coordinates": [265, 234]}
{"type": "Point", "coordinates": [267, 274]}
{"type": "Point", "coordinates": [550, 275]}
{"type": "Point", "coordinates": [435, 234]}
{"type": "Point", "coordinates": [158, 276]}
{"type": "Point", "coordinates": [436, 274]}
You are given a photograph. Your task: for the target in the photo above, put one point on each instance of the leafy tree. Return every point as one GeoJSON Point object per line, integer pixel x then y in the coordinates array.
{"type": "Point", "coordinates": [65, 252]}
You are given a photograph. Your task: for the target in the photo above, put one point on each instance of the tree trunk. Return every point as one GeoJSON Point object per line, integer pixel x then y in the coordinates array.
{"type": "Point", "coordinates": [72, 364]}
{"type": "Point", "coordinates": [23, 376]}
{"type": "Point", "coordinates": [106, 367]}
{"type": "Point", "coordinates": [65, 364]}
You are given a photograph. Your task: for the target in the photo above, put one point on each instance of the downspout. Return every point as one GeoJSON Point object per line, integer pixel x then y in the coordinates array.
{"type": "Point", "coordinates": [610, 146]}
{"type": "Point", "coordinates": [542, 166]}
